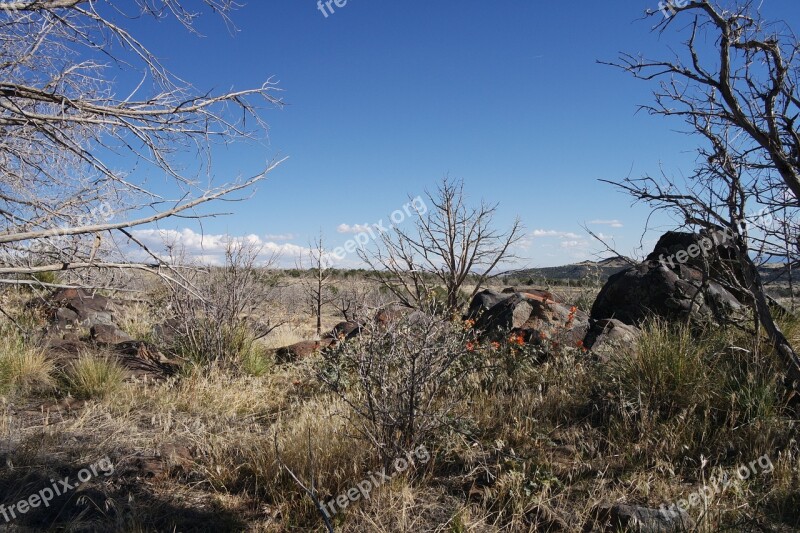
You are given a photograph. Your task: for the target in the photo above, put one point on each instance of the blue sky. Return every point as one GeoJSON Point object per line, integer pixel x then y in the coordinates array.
{"type": "Point", "coordinates": [385, 98]}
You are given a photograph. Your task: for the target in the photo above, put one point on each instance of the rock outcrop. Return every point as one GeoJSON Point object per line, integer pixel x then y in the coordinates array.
{"type": "Point", "coordinates": [73, 310]}
{"type": "Point", "coordinates": [533, 315]}
{"type": "Point", "coordinates": [665, 287]}
{"type": "Point", "coordinates": [301, 350]}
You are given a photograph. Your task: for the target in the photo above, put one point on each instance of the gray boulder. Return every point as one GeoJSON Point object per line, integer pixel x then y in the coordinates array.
{"type": "Point", "coordinates": [483, 301]}
{"type": "Point", "coordinates": [608, 337]}
{"type": "Point", "coordinates": [653, 289]}
{"type": "Point", "coordinates": [535, 317]}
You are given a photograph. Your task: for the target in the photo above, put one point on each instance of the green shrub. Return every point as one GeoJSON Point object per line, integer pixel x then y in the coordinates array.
{"type": "Point", "coordinates": [255, 361]}
{"type": "Point", "coordinates": [48, 278]}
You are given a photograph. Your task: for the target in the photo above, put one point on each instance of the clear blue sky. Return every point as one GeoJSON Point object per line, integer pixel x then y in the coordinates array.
{"type": "Point", "coordinates": [384, 98]}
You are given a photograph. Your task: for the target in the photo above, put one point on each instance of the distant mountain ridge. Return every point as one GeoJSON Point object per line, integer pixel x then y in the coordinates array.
{"type": "Point", "coordinates": [600, 271]}
{"type": "Point", "coordinates": [583, 271]}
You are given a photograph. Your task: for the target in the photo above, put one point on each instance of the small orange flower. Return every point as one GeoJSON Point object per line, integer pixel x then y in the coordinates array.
{"type": "Point", "coordinates": [470, 347]}
{"type": "Point", "coordinates": [495, 345]}
{"type": "Point", "coordinates": [572, 310]}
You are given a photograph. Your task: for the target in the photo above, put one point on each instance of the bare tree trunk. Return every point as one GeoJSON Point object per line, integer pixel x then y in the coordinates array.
{"type": "Point", "coordinates": [787, 354]}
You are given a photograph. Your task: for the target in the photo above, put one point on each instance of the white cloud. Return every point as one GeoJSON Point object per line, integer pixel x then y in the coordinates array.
{"type": "Point", "coordinates": [573, 243]}
{"type": "Point", "coordinates": [356, 228]}
{"type": "Point", "coordinates": [210, 248]}
{"type": "Point", "coordinates": [613, 223]}
{"type": "Point", "coordinates": [554, 233]}
{"type": "Point", "coordinates": [280, 237]}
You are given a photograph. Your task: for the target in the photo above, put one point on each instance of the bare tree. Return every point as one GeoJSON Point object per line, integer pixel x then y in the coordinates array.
{"type": "Point", "coordinates": [317, 281]}
{"type": "Point", "coordinates": [80, 147]}
{"type": "Point", "coordinates": [741, 96]}
{"type": "Point", "coordinates": [450, 243]}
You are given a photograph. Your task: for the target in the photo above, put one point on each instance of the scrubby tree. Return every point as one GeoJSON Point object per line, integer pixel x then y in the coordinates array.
{"type": "Point", "coordinates": [734, 82]}
{"type": "Point", "coordinates": [448, 243]}
{"type": "Point", "coordinates": [90, 118]}
{"type": "Point", "coordinates": [317, 281]}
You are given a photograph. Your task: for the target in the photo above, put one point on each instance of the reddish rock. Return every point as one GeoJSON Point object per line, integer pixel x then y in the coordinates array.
{"type": "Point", "coordinates": [301, 350]}
{"type": "Point", "coordinates": [392, 313]}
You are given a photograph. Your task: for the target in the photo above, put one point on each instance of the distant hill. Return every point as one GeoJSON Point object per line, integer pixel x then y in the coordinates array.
{"type": "Point", "coordinates": [585, 271]}
{"type": "Point", "coordinates": [597, 272]}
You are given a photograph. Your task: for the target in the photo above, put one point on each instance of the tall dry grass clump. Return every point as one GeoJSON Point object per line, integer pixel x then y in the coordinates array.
{"type": "Point", "coordinates": [94, 377]}
{"type": "Point", "coordinates": [23, 369]}
{"type": "Point", "coordinates": [686, 392]}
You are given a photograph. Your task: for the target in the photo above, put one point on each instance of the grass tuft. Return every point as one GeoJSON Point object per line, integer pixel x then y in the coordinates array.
{"type": "Point", "coordinates": [23, 369]}
{"type": "Point", "coordinates": [93, 377]}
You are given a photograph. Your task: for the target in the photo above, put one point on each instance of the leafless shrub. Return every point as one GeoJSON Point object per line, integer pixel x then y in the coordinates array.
{"type": "Point", "coordinates": [317, 281]}
{"type": "Point", "coordinates": [403, 382]}
{"type": "Point", "coordinates": [217, 314]}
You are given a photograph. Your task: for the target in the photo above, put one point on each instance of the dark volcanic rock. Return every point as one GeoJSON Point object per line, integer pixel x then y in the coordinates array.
{"type": "Point", "coordinates": [534, 316]}
{"type": "Point", "coordinates": [346, 330]}
{"type": "Point", "coordinates": [76, 307]}
{"type": "Point", "coordinates": [483, 301]}
{"type": "Point", "coordinates": [653, 289]}
{"type": "Point", "coordinates": [509, 313]}
{"type": "Point", "coordinates": [143, 360]}
{"type": "Point", "coordinates": [108, 334]}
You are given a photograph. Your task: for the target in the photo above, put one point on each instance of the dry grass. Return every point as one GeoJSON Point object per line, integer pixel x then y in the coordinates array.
{"type": "Point", "coordinates": [547, 437]}
{"type": "Point", "coordinates": [23, 369]}
{"type": "Point", "coordinates": [94, 376]}
{"type": "Point", "coordinates": [138, 319]}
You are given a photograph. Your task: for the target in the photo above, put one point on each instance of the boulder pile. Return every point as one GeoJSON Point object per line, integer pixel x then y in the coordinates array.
{"type": "Point", "coordinates": [73, 311]}
{"type": "Point", "coordinates": [534, 315]}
